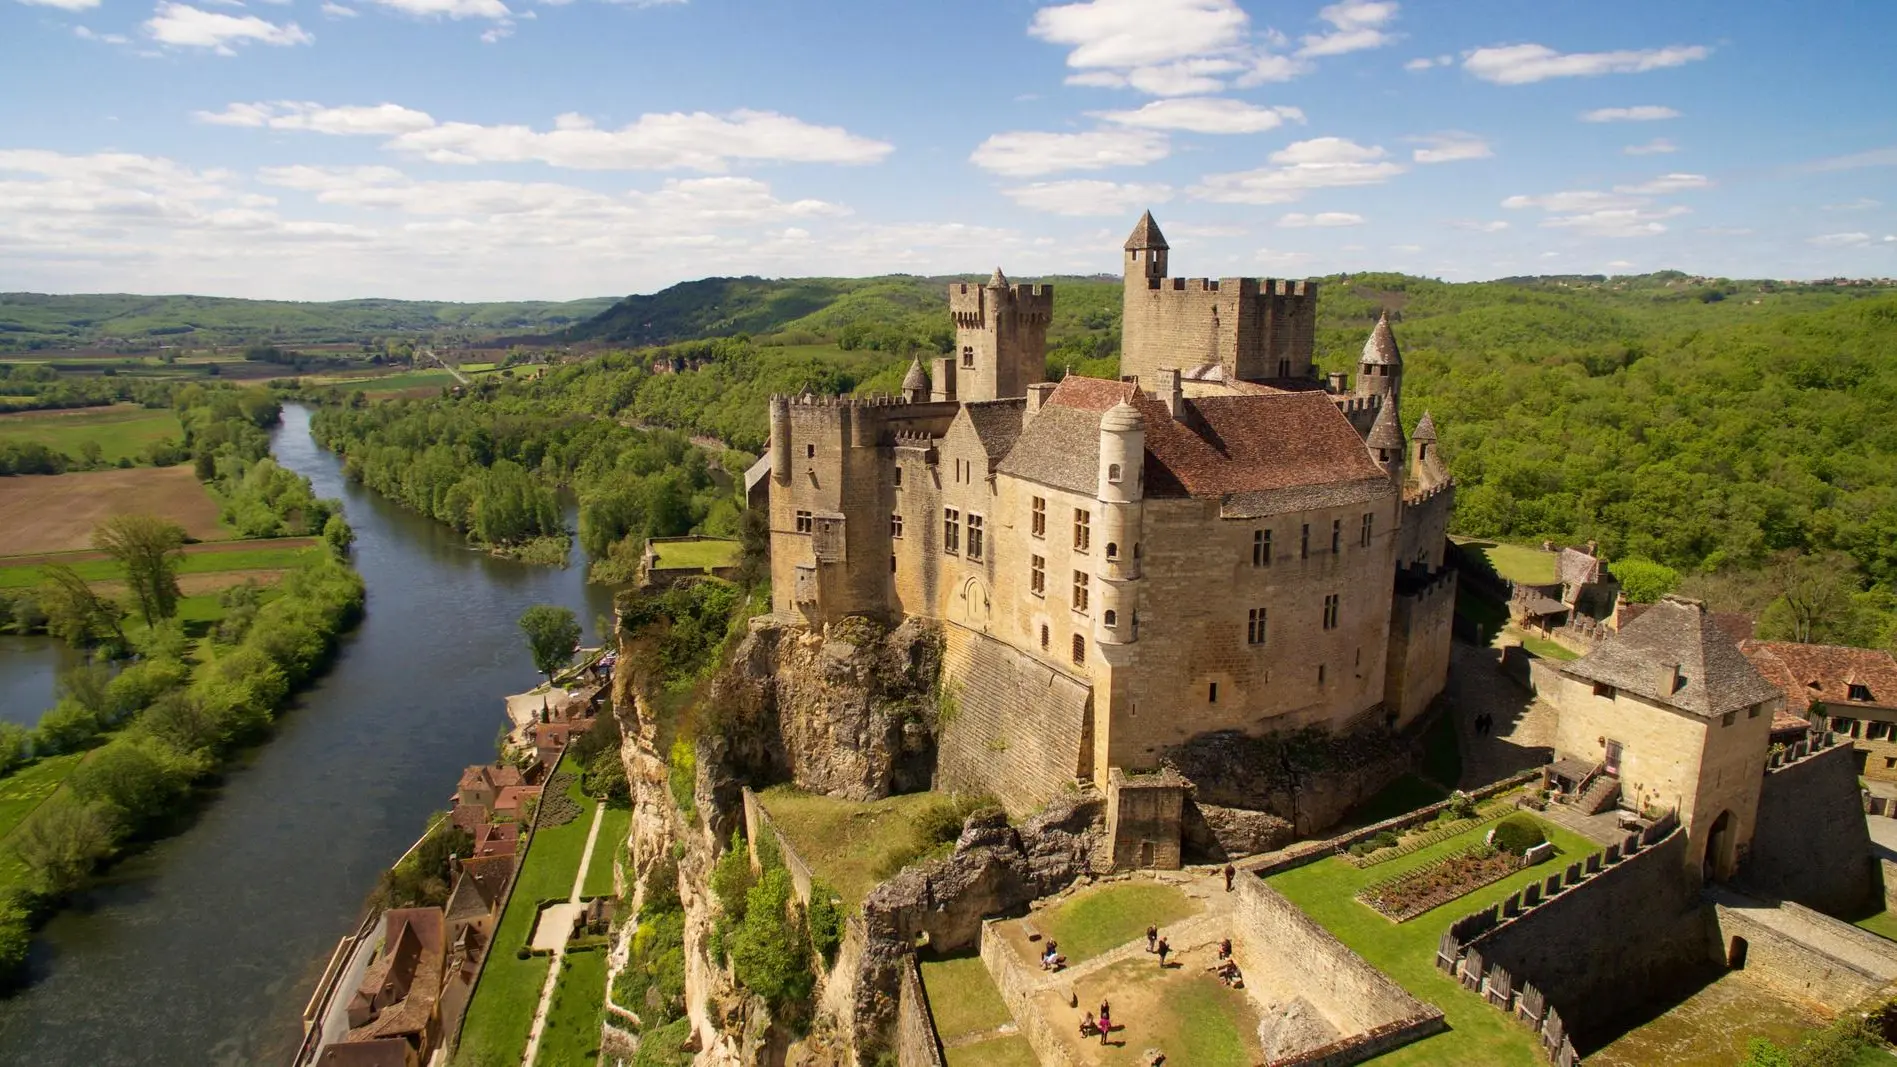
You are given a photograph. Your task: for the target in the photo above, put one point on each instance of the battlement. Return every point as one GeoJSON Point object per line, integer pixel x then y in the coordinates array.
{"type": "Point", "coordinates": [1415, 497]}
{"type": "Point", "coordinates": [914, 439]}
{"type": "Point", "coordinates": [813, 400]}
{"type": "Point", "coordinates": [971, 301]}
{"type": "Point", "coordinates": [1351, 404]}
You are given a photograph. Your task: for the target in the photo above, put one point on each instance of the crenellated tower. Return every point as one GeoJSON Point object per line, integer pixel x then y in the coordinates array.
{"type": "Point", "coordinates": [1000, 339]}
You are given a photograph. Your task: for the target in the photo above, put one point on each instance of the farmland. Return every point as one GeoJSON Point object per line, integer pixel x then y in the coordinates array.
{"type": "Point", "coordinates": [56, 513]}
{"type": "Point", "coordinates": [122, 430]}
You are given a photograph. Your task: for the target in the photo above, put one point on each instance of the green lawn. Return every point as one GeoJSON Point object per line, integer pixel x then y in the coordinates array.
{"type": "Point", "coordinates": [1517, 563]}
{"type": "Point", "coordinates": [995, 1052]}
{"type": "Point", "coordinates": [1407, 952]}
{"type": "Point", "coordinates": [962, 996]}
{"type": "Point", "coordinates": [613, 826]}
{"type": "Point", "coordinates": [571, 1037]}
{"type": "Point", "coordinates": [509, 988]}
{"type": "Point", "coordinates": [1543, 647]}
{"type": "Point", "coordinates": [262, 558]}
{"type": "Point", "coordinates": [845, 841]}
{"type": "Point", "coordinates": [1883, 924]}
{"type": "Point", "coordinates": [1095, 920]}
{"type": "Point", "coordinates": [122, 430]}
{"type": "Point", "coordinates": [20, 793]}
{"type": "Point", "coordinates": [698, 554]}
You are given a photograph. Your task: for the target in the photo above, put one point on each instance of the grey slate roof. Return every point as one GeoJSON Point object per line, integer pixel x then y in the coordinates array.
{"type": "Point", "coordinates": [915, 379]}
{"type": "Point", "coordinates": [1577, 567]}
{"type": "Point", "coordinates": [1146, 234]}
{"type": "Point", "coordinates": [1387, 432]}
{"type": "Point", "coordinates": [1061, 448]}
{"type": "Point", "coordinates": [1425, 430]}
{"type": "Point", "coordinates": [997, 424]}
{"type": "Point", "coordinates": [999, 281]}
{"type": "Point", "coordinates": [1715, 675]}
{"type": "Point", "coordinates": [1381, 346]}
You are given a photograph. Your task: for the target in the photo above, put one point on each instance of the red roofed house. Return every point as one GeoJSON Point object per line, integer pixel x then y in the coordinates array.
{"type": "Point", "coordinates": [394, 1015]}
{"type": "Point", "coordinates": [1852, 691]}
{"type": "Point", "coordinates": [480, 788]}
{"type": "Point", "coordinates": [1129, 572]}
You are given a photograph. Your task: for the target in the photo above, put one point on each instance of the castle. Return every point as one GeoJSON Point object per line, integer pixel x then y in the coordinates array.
{"type": "Point", "coordinates": [1217, 543]}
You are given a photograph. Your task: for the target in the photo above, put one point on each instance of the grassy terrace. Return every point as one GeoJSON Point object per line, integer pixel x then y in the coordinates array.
{"type": "Point", "coordinates": [1477, 1033]}
{"type": "Point", "coordinates": [964, 1002]}
{"type": "Point", "coordinates": [1094, 921]}
{"type": "Point", "coordinates": [845, 842]}
{"type": "Point", "coordinates": [613, 824]}
{"type": "Point", "coordinates": [1543, 647]}
{"type": "Point", "coordinates": [214, 558]}
{"type": "Point", "coordinates": [571, 1038]}
{"type": "Point", "coordinates": [122, 430]}
{"type": "Point", "coordinates": [503, 1007]}
{"type": "Point", "coordinates": [698, 554]}
{"type": "Point", "coordinates": [1517, 563]}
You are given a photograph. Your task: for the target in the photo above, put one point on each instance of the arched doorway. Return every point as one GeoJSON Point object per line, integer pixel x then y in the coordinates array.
{"type": "Point", "coordinates": [1736, 954]}
{"type": "Point", "coordinates": [974, 599]}
{"type": "Point", "coordinates": [1717, 863]}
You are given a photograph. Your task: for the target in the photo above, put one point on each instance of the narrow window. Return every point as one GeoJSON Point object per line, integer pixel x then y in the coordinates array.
{"type": "Point", "coordinates": [1083, 530]}
{"type": "Point", "coordinates": [1726, 719]}
{"type": "Point", "coordinates": [1113, 550]}
{"type": "Point", "coordinates": [810, 451]}
{"type": "Point", "coordinates": [1111, 618]}
{"type": "Point", "coordinates": [1113, 473]}
{"type": "Point", "coordinates": [951, 530]}
{"type": "Point", "coordinates": [892, 564]}
{"type": "Point", "coordinates": [1284, 368]}
{"type": "Point", "coordinates": [1037, 524]}
{"type": "Point", "coordinates": [1037, 580]}
{"type": "Point", "coordinates": [1044, 637]}
{"type": "Point", "coordinates": [1255, 627]}
{"type": "Point", "coordinates": [1330, 612]}
{"type": "Point", "coordinates": [1080, 650]}
{"type": "Point", "coordinates": [1261, 548]}
{"type": "Point", "coordinates": [899, 477]}
{"type": "Point", "coordinates": [1304, 542]}
{"type": "Point", "coordinates": [895, 525]}
{"type": "Point", "coordinates": [1604, 691]}
{"type": "Point", "coordinates": [803, 522]}
{"type": "Point", "coordinates": [1363, 535]}
{"type": "Point", "coordinates": [1752, 712]}
{"type": "Point", "coordinates": [1212, 693]}
{"type": "Point", "coordinates": [1320, 674]}
{"type": "Point", "coordinates": [1337, 536]}
{"type": "Point", "coordinates": [1080, 591]}
{"type": "Point", "coordinates": [975, 537]}
{"type": "Point", "coordinates": [968, 355]}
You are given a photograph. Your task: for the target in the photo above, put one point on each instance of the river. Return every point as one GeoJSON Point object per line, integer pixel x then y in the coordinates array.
{"type": "Point", "coordinates": [203, 949]}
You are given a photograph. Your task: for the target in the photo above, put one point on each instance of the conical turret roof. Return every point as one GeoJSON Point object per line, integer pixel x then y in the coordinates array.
{"type": "Point", "coordinates": [1146, 235]}
{"type": "Point", "coordinates": [1381, 347]}
{"type": "Point", "coordinates": [1425, 430]}
{"type": "Point", "coordinates": [915, 379]}
{"type": "Point", "coordinates": [1121, 418]}
{"type": "Point", "coordinates": [999, 281]}
{"type": "Point", "coordinates": [1388, 430]}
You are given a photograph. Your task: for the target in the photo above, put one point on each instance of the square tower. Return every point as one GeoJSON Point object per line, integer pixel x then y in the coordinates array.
{"type": "Point", "coordinates": [1000, 337]}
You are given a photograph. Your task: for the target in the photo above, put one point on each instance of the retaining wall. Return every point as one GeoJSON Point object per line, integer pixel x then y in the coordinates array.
{"type": "Point", "coordinates": [1810, 844]}
{"type": "Point", "coordinates": [1802, 952]}
{"type": "Point", "coordinates": [758, 821]}
{"type": "Point", "coordinates": [1299, 855]}
{"type": "Point", "coordinates": [1016, 986]}
{"type": "Point", "coordinates": [917, 1043]}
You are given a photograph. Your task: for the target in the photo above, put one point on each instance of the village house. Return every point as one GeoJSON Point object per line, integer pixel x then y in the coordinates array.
{"type": "Point", "coordinates": [481, 786]}
{"type": "Point", "coordinates": [1851, 691]}
{"type": "Point", "coordinates": [394, 1016]}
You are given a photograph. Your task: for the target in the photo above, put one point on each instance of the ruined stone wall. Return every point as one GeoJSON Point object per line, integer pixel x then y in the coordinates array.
{"type": "Point", "coordinates": [1418, 661]}
{"type": "Point", "coordinates": [1274, 937]}
{"type": "Point", "coordinates": [917, 1043]}
{"type": "Point", "coordinates": [1801, 966]}
{"type": "Point", "coordinates": [1011, 726]}
{"type": "Point", "coordinates": [1309, 778]}
{"type": "Point", "coordinates": [1016, 985]}
{"type": "Point", "coordinates": [1811, 844]}
{"type": "Point", "coordinates": [1596, 971]}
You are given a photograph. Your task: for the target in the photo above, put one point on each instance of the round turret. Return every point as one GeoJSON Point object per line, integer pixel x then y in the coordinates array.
{"type": "Point", "coordinates": [915, 384]}
{"type": "Point", "coordinates": [1381, 368]}
{"type": "Point", "coordinates": [1122, 452]}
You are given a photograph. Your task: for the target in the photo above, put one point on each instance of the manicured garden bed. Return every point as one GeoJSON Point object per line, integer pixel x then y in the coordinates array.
{"type": "Point", "coordinates": [1417, 838]}
{"type": "Point", "coordinates": [1432, 885]}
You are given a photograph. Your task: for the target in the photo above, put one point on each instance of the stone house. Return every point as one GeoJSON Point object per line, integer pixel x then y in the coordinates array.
{"type": "Point", "coordinates": [496, 839]}
{"type": "Point", "coordinates": [1668, 713]}
{"type": "Point", "coordinates": [510, 803]}
{"type": "Point", "coordinates": [394, 1015]}
{"type": "Point", "coordinates": [1216, 542]}
{"type": "Point", "coordinates": [1852, 691]}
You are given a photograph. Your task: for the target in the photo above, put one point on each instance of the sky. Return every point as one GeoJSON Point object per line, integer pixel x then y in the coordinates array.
{"type": "Point", "coordinates": [554, 149]}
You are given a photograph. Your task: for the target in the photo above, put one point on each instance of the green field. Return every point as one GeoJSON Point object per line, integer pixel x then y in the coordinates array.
{"type": "Point", "coordinates": [502, 1011]}
{"type": "Point", "coordinates": [1516, 563]}
{"type": "Point", "coordinates": [613, 824]}
{"type": "Point", "coordinates": [845, 842]}
{"type": "Point", "coordinates": [384, 384]}
{"type": "Point", "coordinates": [1543, 647]}
{"type": "Point", "coordinates": [962, 997]}
{"type": "Point", "coordinates": [1407, 952]}
{"type": "Point", "coordinates": [1094, 921]}
{"type": "Point", "coordinates": [22, 576]}
{"type": "Point", "coordinates": [698, 554]}
{"type": "Point", "coordinates": [571, 1036]}
{"type": "Point", "coordinates": [1012, 1051]}
{"type": "Point", "coordinates": [122, 430]}
{"type": "Point", "coordinates": [21, 793]}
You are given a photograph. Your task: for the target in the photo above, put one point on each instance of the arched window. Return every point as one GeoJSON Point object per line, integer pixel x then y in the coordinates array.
{"type": "Point", "coordinates": [1112, 617]}
{"type": "Point", "coordinates": [1043, 637]}
{"type": "Point", "coordinates": [1113, 473]}
{"type": "Point", "coordinates": [1136, 550]}
{"type": "Point", "coordinates": [1080, 649]}
{"type": "Point", "coordinates": [1113, 550]}
{"type": "Point", "coordinates": [968, 355]}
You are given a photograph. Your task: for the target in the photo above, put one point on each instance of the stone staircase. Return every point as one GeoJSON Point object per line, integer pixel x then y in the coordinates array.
{"type": "Point", "coordinates": [1600, 795]}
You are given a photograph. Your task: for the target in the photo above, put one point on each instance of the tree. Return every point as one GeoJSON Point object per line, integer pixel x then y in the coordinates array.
{"type": "Point", "coordinates": [553, 633]}
{"type": "Point", "coordinates": [60, 844]}
{"type": "Point", "coordinates": [1643, 581]}
{"type": "Point", "coordinates": [92, 453]}
{"type": "Point", "coordinates": [1814, 592]}
{"type": "Point", "coordinates": [147, 547]}
{"type": "Point", "coordinates": [76, 614]}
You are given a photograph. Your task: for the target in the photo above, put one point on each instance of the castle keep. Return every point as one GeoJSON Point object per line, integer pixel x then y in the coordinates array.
{"type": "Point", "coordinates": [1217, 543]}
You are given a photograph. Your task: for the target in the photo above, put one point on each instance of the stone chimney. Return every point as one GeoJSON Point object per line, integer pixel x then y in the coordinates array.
{"type": "Point", "coordinates": [1669, 679]}
{"type": "Point", "coordinates": [1168, 392]}
{"type": "Point", "coordinates": [1339, 382]}
{"type": "Point", "coordinates": [1037, 398]}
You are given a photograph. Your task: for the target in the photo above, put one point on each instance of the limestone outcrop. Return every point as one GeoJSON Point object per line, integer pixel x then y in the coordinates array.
{"type": "Point", "coordinates": [1307, 777]}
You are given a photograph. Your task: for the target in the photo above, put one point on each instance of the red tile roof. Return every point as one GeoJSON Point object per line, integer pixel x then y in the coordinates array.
{"type": "Point", "coordinates": [1824, 674]}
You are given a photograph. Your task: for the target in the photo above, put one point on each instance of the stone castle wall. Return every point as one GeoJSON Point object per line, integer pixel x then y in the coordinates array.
{"type": "Point", "coordinates": [1254, 328]}
{"type": "Point", "coordinates": [1011, 726]}
{"type": "Point", "coordinates": [917, 1043]}
{"type": "Point", "coordinates": [1426, 527]}
{"type": "Point", "coordinates": [1804, 954]}
{"type": "Point", "coordinates": [1418, 662]}
{"type": "Point", "coordinates": [1811, 844]}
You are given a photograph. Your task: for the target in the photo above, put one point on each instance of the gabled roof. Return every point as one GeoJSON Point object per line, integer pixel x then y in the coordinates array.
{"type": "Point", "coordinates": [1714, 676]}
{"type": "Point", "coordinates": [490, 875]}
{"type": "Point", "coordinates": [1146, 234]}
{"type": "Point", "coordinates": [1380, 348]}
{"type": "Point", "coordinates": [379, 1052]}
{"type": "Point", "coordinates": [1824, 674]}
{"type": "Point", "coordinates": [1574, 566]}
{"type": "Point", "coordinates": [997, 424]}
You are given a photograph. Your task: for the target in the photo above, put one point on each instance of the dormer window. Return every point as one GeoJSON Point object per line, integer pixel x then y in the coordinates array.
{"type": "Point", "coordinates": [1113, 550]}
{"type": "Point", "coordinates": [1860, 693]}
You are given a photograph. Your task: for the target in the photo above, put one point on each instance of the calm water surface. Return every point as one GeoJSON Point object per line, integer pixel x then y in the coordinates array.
{"type": "Point", "coordinates": [203, 950]}
{"type": "Point", "coordinates": [29, 667]}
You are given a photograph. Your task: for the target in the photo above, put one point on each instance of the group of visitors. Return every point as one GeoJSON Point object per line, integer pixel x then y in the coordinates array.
{"type": "Point", "coordinates": [1051, 958]}
{"type": "Point", "coordinates": [1484, 723]}
{"type": "Point", "coordinates": [1103, 1026]}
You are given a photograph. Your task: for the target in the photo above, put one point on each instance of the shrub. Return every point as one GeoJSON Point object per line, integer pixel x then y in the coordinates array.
{"type": "Point", "coordinates": [731, 878]}
{"type": "Point", "coordinates": [770, 951]}
{"type": "Point", "coordinates": [826, 920]}
{"type": "Point", "coordinates": [1518, 834]}
{"type": "Point", "coordinates": [1460, 806]}
{"type": "Point", "coordinates": [1385, 839]}
{"type": "Point", "coordinates": [682, 776]}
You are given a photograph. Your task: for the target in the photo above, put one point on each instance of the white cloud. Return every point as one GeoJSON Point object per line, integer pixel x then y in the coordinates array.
{"type": "Point", "coordinates": [1841, 240]}
{"type": "Point", "coordinates": [1862, 203]}
{"type": "Point", "coordinates": [1356, 26]}
{"type": "Point", "coordinates": [1620, 264]}
{"type": "Point", "coordinates": [1450, 147]}
{"type": "Point", "coordinates": [1657, 147]}
{"type": "Point", "coordinates": [1642, 113]}
{"type": "Point", "coordinates": [1725, 231]}
{"type": "Point", "coordinates": [1521, 64]}
{"type": "Point", "coordinates": [1428, 62]}
{"type": "Point", "coordinates": [1299, 220]}
{"type": "Point", "coordinates": [1667, 183]}
{"type": "Point", "coordinates": [86, 34]}
{"type": "Point", "coordinates": [1160, 47]}
{"type": "Point", "coordinates": [1319, 163]}
{"type": "Point", "coordinates": [1026, 153]}
{"type": "Point", "coordinates": [1575, 200]}
{"type": "Point", "coordinates": [189, 27]}
{"type": "Point", "coordinates": [64, 5]}
{"type": "Point", "coordinates": [1616, 222]}
{"type": "Point", "coordinates": [1406, 248]}
{"type": "Point", "coordinates": [1201, 114]}
{"type": "Point", "coordinates": [338, 11]}
{"type": "Point", "coordinates": [1876, 157]}
{"type": "Point", "coordinates": [498, 32]}
{"type": "Point", "coordinates": [1088, 197]}
{"type": "Point", "coordinates": [668, 141]}
{"type": "Point", "coordinates": [1479, 225]}
{"type": "Point", "coordinates": [454, 9]}
{"type": "Point", "coordinates": [1271, 259]}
